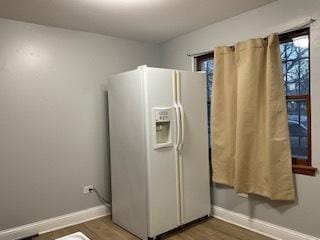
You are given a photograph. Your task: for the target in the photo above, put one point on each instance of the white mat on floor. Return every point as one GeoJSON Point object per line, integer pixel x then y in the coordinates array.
{"type": "Point", "coordinates": [74, 236]}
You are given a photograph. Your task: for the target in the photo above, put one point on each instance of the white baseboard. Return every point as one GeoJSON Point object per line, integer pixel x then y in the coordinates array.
{"type": "Point", "coordinates": [51, 224]}
{"type": "Point", "coordinates": [55, 223]}
{"type": "Point", "coordinates": [259, 226]}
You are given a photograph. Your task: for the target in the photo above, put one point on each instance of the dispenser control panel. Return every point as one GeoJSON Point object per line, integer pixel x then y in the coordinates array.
{"type": "Point", "coordinates": [162, 127]}
{"type": "Point", "coordinates": [162, 116]}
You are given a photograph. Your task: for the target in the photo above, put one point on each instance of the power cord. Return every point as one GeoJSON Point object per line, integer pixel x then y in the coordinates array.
{"type": "Point", "coordinates": [102, 199]}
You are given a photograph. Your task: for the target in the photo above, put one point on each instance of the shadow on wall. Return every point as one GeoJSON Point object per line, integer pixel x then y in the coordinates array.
{"type": "Point", "coordinates": [107, 151]}
{"type": "Point", "coordinates": [253, 201]}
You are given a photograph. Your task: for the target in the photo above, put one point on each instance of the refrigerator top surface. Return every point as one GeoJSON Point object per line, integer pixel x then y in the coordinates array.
{"type": "Point", "coordinates": [147, 67]}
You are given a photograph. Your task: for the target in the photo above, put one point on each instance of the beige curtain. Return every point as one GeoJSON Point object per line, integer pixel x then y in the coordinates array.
{"type": "Point", "coordinates": [251, 149]}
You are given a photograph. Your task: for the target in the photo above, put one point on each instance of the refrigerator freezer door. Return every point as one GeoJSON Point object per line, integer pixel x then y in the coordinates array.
{"type": "Point", "coordinates": [163, 187]}
{"type": "Point", "coordinates": [194, 152]}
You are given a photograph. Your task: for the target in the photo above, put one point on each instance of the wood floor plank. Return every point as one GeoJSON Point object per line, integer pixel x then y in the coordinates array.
{"type": "Point", "coordinates": [106, 230]}
{"type": "Point", "coordinates": [233, 230]}
{"type": "Point", "coordinates": [207, 229]}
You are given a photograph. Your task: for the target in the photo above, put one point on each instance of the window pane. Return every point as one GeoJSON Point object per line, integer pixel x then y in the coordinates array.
{"type": "Point", "coordinates": [209, 79]}
{"type": "Point", "coordinates": [291, 51]}
{"type": "Point", "coordinates": [292, 70]}
{"type": "Point", "coordinates": [283, 51]}
{"type": "Point", "coordinates": [207, 66]}
{"type": "Point", "coordinates": [304, 76]}
{"type": "Point", "coordinates": [284, 72]}
{"type": "Point", "coordinates": [295, 64]}
{"type": "Point", "coordinates": [298, 128]}
{"type": "Point", "coordinates": [293, 88]}
{"type": "Point", "coordinates": [203, 66]}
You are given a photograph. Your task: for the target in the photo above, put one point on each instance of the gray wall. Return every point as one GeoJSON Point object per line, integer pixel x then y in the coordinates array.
{"type": "Point", "coordinates": [52, 113]}
{"type": "Point", "coordinates": [52, 117]}
{"type": "Point", "coordinates": [302, 215]}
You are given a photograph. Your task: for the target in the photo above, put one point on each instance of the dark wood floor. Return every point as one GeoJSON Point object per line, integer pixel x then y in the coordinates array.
{"type": "Point", "coordinates": [208, 229]}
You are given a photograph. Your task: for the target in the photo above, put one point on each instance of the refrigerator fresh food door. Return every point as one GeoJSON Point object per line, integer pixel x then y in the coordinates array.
{"type": "Point", "coordinates": [163, 187]}
{"type": "Point", "coordinates": [195, 186]}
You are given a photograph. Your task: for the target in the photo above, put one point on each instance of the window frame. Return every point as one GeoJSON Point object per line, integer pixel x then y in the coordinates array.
{"type": "Point", "coordinates": [202, 58]}
{"type": "Point", "coordinates": [299, 166]}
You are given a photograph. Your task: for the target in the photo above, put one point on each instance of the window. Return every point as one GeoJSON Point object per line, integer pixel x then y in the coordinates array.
{"type": "Point", "coordinates": [295, 56]}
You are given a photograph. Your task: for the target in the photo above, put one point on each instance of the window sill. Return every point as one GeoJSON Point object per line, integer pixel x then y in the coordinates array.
{"type": "Point", "coordinates": [305, 170]}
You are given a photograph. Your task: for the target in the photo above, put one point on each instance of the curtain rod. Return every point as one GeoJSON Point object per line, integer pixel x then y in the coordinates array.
{"type": "Point", "coordinates": [296, 27]}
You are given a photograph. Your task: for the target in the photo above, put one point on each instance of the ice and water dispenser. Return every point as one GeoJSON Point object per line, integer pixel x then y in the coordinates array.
{"type": "Point", "coordinates": [162, 125]}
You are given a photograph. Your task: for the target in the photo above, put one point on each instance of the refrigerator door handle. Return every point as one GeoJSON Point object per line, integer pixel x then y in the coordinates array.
{"type": "Point", "coordinates": [180, 110]}
{"type": "Point", "coordinates": [182, 126]}
{"type": "Point", "coordinates": [178, 139]}
{"type": "Point", "coordinates": [178, 146]}
{"type": "Point", "coordinates": [177, 111]}
{"type": "Point", "coordinates": [180, 164]}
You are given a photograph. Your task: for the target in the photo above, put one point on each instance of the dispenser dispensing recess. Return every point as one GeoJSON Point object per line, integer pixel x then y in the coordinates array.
{"type": "Point", "coordinates": [162, 127]}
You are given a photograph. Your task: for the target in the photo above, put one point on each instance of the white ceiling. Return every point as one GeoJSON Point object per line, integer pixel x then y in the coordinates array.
{"type": "Point", "coordinates": [146, 20]}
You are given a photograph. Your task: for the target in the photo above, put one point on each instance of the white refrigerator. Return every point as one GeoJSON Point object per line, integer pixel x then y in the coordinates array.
{"type": "Point", "coordinates": [158, 149]}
